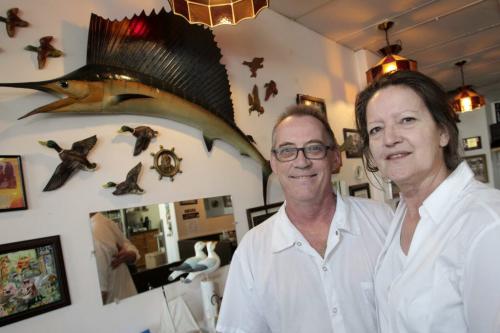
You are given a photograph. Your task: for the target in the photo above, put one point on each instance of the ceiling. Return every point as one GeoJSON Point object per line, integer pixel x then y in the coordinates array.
{"type": "Point", "coordinates": [435, 33]}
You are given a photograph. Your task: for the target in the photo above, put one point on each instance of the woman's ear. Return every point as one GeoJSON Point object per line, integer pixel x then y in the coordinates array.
{"type": "Point", "coordinates": [444, 138]}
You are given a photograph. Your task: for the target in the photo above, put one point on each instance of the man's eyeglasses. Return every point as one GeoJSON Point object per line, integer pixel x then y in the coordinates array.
{"type": "Point", "coordinates": [316, 151]}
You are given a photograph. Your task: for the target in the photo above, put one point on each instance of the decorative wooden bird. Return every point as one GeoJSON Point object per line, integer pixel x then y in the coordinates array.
{"type": "Point", "coordinates": [12, 21]}
{"type": "Point", "coordinates": [129, 185]}
{"type": "Point", "coordinates": [254, 101]}
{"type": "Point", "coordinates": [144, 134]}
{"type": "Point", "coordinates": [72, 160]}
{"type": "Point", "coordinates": [254, 65]}
{"type": "Point", "coordinates": [44, 50]}
{"type": "Point", "coordinates": [205, 266]}
{"type": "Point", "coordinates": [271, 89]}
{"type": "Point", "coordinates": [189, 263]}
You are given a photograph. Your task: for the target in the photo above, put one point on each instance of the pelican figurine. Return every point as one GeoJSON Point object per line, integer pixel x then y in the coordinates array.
{"type": "Point", "coordinates": [129, 185]}
{"type": "Point", "coordinates": [144, 134]}
{"type": "Point", "coordinates": [205, 266]}
{"type": "Point", "coordinates": [72, 160]}
{"type": "Point", "coordinates": [189, 263]}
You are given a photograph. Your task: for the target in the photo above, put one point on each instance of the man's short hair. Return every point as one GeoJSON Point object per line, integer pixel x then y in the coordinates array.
{"type": "Point", "coordinates": [302, 110]}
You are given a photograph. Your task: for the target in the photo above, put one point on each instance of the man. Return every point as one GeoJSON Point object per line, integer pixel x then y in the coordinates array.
{"type": "Point", "coordinates": [309, 267]}
{"type": "Point", "coordinates": [113, 251]}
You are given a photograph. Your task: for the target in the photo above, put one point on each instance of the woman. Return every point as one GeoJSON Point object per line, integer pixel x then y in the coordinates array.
{"type": "Point", "coordinates": [439, 270]}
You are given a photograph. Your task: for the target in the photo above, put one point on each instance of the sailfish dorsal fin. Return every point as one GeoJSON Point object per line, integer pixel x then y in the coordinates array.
{"type": "Point", "coordinates": [182, 58]}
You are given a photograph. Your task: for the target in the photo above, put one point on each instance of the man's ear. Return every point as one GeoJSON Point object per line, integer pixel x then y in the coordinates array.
{"type": "Point", "coordinates": [336, 160]}
{"type": "Point", "coordinates": [273, 162]}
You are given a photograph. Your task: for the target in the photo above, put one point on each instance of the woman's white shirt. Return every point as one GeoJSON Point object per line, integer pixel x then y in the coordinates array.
{"type": "Point", "coordinates": [450, 279]}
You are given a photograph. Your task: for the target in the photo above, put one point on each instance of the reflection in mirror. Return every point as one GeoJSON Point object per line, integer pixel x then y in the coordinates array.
{"type": "Point", "coordinates": [135, 247]}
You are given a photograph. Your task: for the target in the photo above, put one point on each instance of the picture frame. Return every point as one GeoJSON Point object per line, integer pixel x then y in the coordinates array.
{"type": "Point", "coordinates": [353, 144]}
{"type": "Point", "coordinates": [478, 165]}
{"type": "Point", "coordinates": [32, 279]}
{"type": "Point", "coordinates": [257, 215]}
{"type": "Point", "coordinates": [360, 191]}
{"type": "Point", "coordinates": [188, 202]}
{"type": "Point", "coordinates": [12, 189]}
{"type": "Point", "coordinates": [227, 201]}
{"type": "Point", "coordinates": [472, 143]}
{"type": "Point", "coordinates": [316, 102]}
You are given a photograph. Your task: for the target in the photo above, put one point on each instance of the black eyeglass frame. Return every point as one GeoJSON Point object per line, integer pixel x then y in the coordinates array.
{"type": "Point", "coordinates": [303, 149]}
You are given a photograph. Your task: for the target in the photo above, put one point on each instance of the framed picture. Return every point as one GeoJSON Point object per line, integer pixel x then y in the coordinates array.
{"type": "Point", "coordinates": [478, 165]}
{"type": "Point", "coordinates": [496, 107]}
{"type": "Point", "coordinates": [360, 191]}
{"type": "Point", "coordinates": [188, 202]}
{"type": "Point", "coordinates": [353, 144]}
{"type": "Point", "coordinates": [12, 191]}
{"type": "Point", "coordinates": [257, 215]}
{"type": "Point", "coordinates": [474, 142]}
{"type": "Point", "coordinates": [32, 279]}
{"type": "Point", "coordinates": [227, 201]}
{"type": "Point", "coordinates": [318, 103]}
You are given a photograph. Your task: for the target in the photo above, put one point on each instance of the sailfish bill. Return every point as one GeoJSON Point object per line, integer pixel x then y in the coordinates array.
{"type": "Point", "coordinates": [153, 65]}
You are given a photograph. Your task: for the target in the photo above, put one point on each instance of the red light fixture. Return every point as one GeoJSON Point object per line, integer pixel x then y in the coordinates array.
{"type": "Point", "coordinates": [216, 12]}
{"type": "Point", "coordinates": [466, 99]}
{"type": "Point", "coordinates": [391, 61]}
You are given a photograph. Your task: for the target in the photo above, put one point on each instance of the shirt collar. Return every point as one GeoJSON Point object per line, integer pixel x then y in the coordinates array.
{"type": "Point", "coordinates": [285, 235]}
{"type": "Point", "coordinates": [443, 198]}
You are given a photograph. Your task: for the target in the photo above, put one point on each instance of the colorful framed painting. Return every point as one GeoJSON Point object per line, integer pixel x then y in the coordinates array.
{"type": "Point", "coordinates": [32, 279]}
{"type": "Point", "coordinates": [12, 190]}
{"type": "Point", "coordinates": [477, 163]}
{"type": "Point", "coordinates": [318, 103]}
{"type": "Point", "coordinates": [353, 144]}
{"type": "Point", "coordinates": [360, 191]}
{"type": "Point", "coordinates": [472, 143]}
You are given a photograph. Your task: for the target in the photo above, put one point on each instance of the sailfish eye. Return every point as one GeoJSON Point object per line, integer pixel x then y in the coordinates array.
{"type": "Point", "coordinates": [64, 84]}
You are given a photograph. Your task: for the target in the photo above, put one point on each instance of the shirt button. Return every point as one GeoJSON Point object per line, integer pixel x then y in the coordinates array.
{"type": "Point", "coordinates": [336, 232]}
{"type": "Point", "coordinates": [299, 244]}
{"type": "Point", "coordinates": [324, 268]}
{"type": "Point", "coordinates": [334, 311]}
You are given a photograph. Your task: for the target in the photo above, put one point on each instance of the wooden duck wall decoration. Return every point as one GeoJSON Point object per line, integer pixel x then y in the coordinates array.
{"type": "Point", "coordinates": [13, 21]}
{"type": "Point", "coordinates": [142, 66]}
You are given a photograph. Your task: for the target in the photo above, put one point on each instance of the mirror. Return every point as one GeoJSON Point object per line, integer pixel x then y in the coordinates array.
{"type": "Point", "coordinates": [135, 247]}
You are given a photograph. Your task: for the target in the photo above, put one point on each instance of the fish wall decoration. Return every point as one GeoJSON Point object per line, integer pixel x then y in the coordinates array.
{"type": "Point", "coordinates": [153, 65]}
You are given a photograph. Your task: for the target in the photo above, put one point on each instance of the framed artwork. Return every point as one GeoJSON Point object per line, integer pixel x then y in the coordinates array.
{"type": "Point", "coordinates": [318, 103]}
{"type": "Point", "coordinates": [360, 191]}
{"type": "Point", "coordinates": [257, 215]}
{"type": "Point", "coordinates": [188, 202]}
{"type": "Point", "coordinates": [353, 144]}
{"type": "Point", "coordinates": [496, 107]}
{"type": "Point", "coordinates": [474, 142]}
{"type": "Point", "coordinates": [32, 279]}
{"type": "Point", "coordinates": [227, 201]}
{"type": "Point", "coordinates": [12, 191]}
{"type": "Point", "coordinates": [478, 165]}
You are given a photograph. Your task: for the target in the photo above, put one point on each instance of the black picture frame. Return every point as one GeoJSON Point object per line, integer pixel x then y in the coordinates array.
{"type": "Point", "coordinates": [188, 202]}
{"type": "Point", "coordinates": [12, 188]}
{"type": "Point", "coordinates": [316, 102]}
{"type": "Point", "coordinates": [257, 215]}
{"type": "Point", "coordinates": [472, 143]}
{"type": "Point", "coordinates": [360, 191]}
{"type": "Point", "coordinates": [353, 145]}
{"type": "Point", "coordinates": [39, 284]}
{"type": "Point", "coordinates": [478, 165]}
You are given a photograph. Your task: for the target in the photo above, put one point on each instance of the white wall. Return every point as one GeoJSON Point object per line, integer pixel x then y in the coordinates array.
{"type": "Point", "coordinates": [299, 60]}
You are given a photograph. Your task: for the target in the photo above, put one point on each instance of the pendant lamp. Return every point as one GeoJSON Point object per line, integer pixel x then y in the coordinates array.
{"type": "Point", "coordinates": [466, 99]}
{"type": "Point", "coordinates": [216, 12]}
{"type": "Point", "coordinates": [391, 61]}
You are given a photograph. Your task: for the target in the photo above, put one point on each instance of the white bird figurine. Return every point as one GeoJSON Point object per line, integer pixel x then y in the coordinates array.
{"type": "Point", "coordinates": [205, 266]}
{"type": "Point", "coordinates": [189, 263]}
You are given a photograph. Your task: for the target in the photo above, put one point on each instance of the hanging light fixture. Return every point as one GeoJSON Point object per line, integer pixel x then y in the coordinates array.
{"type": "Point", "coordinates": [391, 61]}
{"type": "Point", "coordinates": [216, 12]}
{"type": "Point", "coordinates": [466, 99]}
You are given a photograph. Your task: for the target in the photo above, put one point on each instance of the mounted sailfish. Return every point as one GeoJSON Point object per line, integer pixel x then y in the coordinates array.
{"type": "Point", "coordinates": [157, 65]}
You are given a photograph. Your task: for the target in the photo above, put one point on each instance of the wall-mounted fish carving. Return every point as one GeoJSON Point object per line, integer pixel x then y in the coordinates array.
{"type": "Point", "coordinates": [152, 65]}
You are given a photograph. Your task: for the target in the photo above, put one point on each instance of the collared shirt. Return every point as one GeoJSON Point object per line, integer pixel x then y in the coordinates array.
{"type": "Point", "coordinates": [450, 279]}
{"type": "Point", "coordinates": [117, 282]}
{"type": "Point", "coordinates": [278, 283]}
